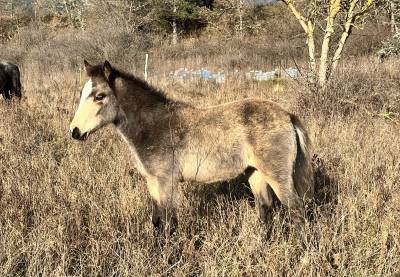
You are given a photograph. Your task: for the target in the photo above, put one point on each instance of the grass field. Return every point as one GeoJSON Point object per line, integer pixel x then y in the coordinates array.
{"type": "Point", "coordinates": [80, 209]}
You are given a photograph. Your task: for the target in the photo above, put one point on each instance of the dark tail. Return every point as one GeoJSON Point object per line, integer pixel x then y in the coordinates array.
{"type": "Point", "coordinates": [303, 174]}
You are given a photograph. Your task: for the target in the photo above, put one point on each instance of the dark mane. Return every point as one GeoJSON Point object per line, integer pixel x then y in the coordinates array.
{"type": "Point", "coordinates": [159, 94]}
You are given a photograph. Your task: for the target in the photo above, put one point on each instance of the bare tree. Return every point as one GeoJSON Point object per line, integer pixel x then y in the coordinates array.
{"type": "Point", "coordinates": [174, 25]}
{"type": "Point", "coordinates": [344, 13]}
{"type": "Point", "coordinates": [130, 15]}
{"type": "Point", "coordinates": [240, 12]}
{"type": "Point", "coordinates": [394, 10]}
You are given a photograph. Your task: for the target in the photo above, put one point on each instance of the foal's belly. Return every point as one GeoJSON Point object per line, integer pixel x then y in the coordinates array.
{"type": "Point", "coordinates": [212, 167]}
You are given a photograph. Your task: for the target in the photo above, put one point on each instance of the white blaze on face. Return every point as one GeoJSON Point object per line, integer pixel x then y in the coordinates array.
{"type": "Point", "coordinates": [86, 91]}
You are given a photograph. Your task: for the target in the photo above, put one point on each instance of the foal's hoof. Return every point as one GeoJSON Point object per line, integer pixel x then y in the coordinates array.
{"type": "Point", "coordinates": [265, 213]}
{"type": "Point", "coordinates": [164, 227]}
{"type": "Point", "coordinates": [157, 224]}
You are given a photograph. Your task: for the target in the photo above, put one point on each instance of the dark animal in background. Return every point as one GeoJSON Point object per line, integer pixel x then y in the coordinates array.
{"type": "Point", "coordinates": [10, 83]}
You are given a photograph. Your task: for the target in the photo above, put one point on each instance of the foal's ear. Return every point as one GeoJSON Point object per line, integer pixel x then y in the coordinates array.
{"type": "Point", "coordinates": [87, 64]}
{"type": "Point", "coordinates": [107, 68]}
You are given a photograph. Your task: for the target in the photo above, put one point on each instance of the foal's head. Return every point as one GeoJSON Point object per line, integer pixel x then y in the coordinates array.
{"type": "Point", "coordinates": [98, 104]}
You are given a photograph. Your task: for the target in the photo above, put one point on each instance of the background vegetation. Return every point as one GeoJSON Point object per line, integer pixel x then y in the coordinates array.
{"type": "Point", "coordinates": [80, 209]}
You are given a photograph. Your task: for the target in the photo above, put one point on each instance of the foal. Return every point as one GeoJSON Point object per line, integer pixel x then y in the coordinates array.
{"type": "Point", "coordinates": [172, 141]}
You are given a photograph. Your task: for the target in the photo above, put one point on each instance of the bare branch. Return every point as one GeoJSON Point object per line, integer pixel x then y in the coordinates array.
{"type": "Point", "coordinates": [351, 18]}
{"type": "Point", "coordinates": [303, 21]}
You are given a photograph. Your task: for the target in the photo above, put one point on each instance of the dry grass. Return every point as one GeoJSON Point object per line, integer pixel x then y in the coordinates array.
{"type": "Point", "coordinates": [80, 209]}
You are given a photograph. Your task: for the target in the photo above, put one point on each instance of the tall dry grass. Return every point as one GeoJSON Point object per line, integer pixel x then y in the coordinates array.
{"type": "Point", "coordinates": [81, 209]}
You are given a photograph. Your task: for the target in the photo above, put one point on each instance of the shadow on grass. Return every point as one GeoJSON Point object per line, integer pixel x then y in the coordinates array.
{"type": "Point", "coordinates": [238, 189]}
{"type": "Point", "coordinates": [326, 188]}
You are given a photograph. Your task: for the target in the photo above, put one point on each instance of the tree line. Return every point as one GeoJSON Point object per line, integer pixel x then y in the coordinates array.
{"type": "Point", "coordinates": [327, 24]}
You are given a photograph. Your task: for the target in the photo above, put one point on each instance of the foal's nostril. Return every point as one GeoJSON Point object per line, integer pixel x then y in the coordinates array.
{"type": "Point", "coordinates": [76, 134]}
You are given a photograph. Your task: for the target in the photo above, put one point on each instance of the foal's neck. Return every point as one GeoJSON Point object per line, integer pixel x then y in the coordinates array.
{"type": "Point", "coordinates": [141, 104]}
{"type": "Point", "coordinates": [137, 93]}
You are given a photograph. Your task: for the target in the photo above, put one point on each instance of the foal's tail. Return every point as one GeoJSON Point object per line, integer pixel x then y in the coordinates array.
{"type": "Point", "coordinates": [303, 174]}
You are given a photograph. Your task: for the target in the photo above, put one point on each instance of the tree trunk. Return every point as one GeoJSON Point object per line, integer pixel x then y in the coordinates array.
{"type": "Point", "coordinates": [240, 12]}
{"type": "Point", "coordinates": [308, 28]}
{"type": "Point", "coordinates": [347, 30]}
{"type": "Point", "coordinates": [342, 41]}
{"type": "Point", "coordinates": [323, 67]}
{"type": "Point", "coordinates": [174, 28]}
{"type": "Point", "coordinates": [393, 24]}
{"type": "Point", "coordinates": [311, 52]}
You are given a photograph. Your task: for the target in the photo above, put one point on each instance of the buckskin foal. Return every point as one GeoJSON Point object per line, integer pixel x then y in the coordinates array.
{"type": "Point", "coordinates": [172, 141]}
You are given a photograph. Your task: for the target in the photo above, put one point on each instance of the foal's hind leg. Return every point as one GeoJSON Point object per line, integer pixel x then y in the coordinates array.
{"type": "Point", "coordinates": [262, 194]}
{"type": "Point", "coordinates": [284, 189]}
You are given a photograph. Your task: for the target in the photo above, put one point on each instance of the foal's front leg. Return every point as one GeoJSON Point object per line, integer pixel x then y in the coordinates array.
{"type": "Point", "coordinates": [164, 213]}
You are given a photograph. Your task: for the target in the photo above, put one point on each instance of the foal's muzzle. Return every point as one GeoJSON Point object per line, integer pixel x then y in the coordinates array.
{"type": "Point", "coordinates": [76, 134]}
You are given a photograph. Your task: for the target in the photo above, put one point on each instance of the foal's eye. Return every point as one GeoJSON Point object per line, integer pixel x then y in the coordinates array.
{"type": "Point", "coordinates": [99, 97]}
